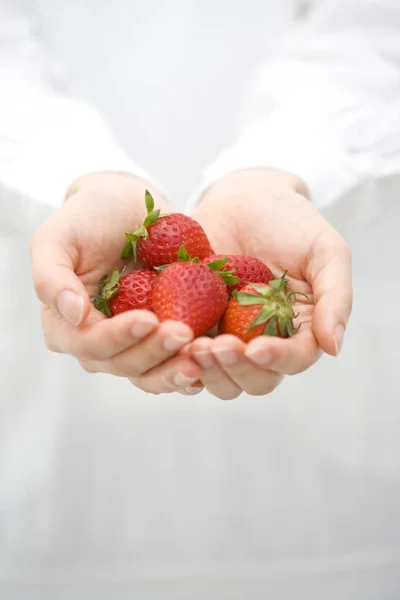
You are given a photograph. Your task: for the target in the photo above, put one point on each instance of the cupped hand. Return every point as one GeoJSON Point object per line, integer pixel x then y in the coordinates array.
{"type": "Point", "coordinates": [79, 244]}
{"type": "Point", "coordinates": [266, 214]}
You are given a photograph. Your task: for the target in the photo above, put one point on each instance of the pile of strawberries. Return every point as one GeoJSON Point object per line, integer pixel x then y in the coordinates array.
{"type": "Point", "coordinates": [182, 279]}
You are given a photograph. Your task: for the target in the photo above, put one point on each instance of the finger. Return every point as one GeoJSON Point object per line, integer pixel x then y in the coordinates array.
{"type": "Point", "coordinates": [251, 378]}
{"type": "Point", "coordinates": [180, 374]}
{"type": "Point", "coordinates": [98, 338]}
{"type": "Point", "coordinates": [286, 356]}
{"type": "Point", "coordinates": [165, 342]}
{"type": "Point", "coordinates": [331, 278]}
{"type": "Point", "coordinates": [55, 282]}
{"type": "Point", "coordinates": [110, 337]}
{"type": "Point", "coordinates": [213, 377]}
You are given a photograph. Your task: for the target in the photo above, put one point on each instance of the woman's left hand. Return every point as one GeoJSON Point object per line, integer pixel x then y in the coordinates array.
{"type": "Point", "coordinates": [266, 214]}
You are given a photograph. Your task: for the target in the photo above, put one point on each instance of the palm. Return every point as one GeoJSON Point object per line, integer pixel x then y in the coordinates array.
{"type": "Point", "coordinates": [279, 234]}
{"type": "Point", "coordinates": [96, 223]}
{"type": "Point", "coordinates": [100, 239]}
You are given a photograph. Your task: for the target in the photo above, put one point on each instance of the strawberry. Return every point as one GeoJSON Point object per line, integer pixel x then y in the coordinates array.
{"type": "Point", "coordinates": [246, 268]}
{"type": "Point", "coordinates": [192, 293]}
{"type": "Point", "coordinates": [119, 293]}
{"type": "Point", "coordinates": [157, 240]}
{"type": "Point", "coordinates": [259, 309]}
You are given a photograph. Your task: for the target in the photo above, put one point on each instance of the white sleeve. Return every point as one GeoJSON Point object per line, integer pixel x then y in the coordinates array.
{"type": "Point", "coordinates": [326, 107]}
{"type": "Point", "coordinates": [47, 139]}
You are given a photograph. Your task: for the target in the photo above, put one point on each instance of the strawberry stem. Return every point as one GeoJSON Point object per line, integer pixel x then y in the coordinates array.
{"type": "Point", "coordinates": [109, 286]}
{"type": "Point", "coordinates": [130, 248]}
{"type": "Point", "coordinates": [276, 307]}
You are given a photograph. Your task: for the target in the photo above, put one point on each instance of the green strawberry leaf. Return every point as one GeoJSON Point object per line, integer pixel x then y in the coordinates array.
{"type": "Point", "coordinates": [276, 284]}
{"type": "Point", "coordinates": [183, 255]}
{"type": "Point", "coordinates": [133, 240]}
{"type": "Point", "coordinates": [217, 265]}
{"type": "Point", "coordinates": [292, 296]}
{"type": "Point", "coordinates": [228, 277]}
{"type": "Point", "coordinates": [161, 268]}
{"type": "Point", "coordinates": [102, 305]}
{"type": "Point", "coordinates": [127, 251]}
{"type": "Point", "coordinates": [151, 218]}
{"type": "Point", "coordinates": [111, 293]}
{"type": "Point", "coordinates": [291, 329]}
{"type": "Point", "coordinates": [272, 327]}
{"type": "Point", "coordinates": [283, 327]}
{"type": "Point", "coordinates": [132, 237]}
{"type": "Point", "coordinates": [246, 299]}
{"type": "Point", "coordinates": [262, 289]}
{"type": "Point", "coordinates": [263, 316]}
{"type": "Point", "coordinates": [113, 281]}
{"type": "Point", "coordinates": [149, 200]}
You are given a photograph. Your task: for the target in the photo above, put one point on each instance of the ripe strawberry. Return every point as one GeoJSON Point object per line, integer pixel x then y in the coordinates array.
{"type": "Point", "coordinates": [157, 240]}
{"type": "Point", "coordinates": [259, 309]}
{"type": "Point", "coordinates": [128, 292]}
{"type": "Point", "coordinates": [192, 293]}
{"type": "Point", "coordinates": [246, 268]}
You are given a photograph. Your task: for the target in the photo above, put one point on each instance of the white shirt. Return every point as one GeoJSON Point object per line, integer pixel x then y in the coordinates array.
{"type": "Point", "coordinates": [108, 493]}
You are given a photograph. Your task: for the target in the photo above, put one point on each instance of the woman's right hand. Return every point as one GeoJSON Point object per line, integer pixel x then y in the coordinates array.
{"type": "Point", "coordinates": [70, 252]}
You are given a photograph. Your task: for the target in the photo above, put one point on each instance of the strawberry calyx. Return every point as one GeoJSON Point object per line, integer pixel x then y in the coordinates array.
{"type": "Point", "coordinates": [183, 256]}
{"type": "Point", "coordinates": [216, 265]}
{"type": "Point", "coordinates": [130, 248]}
{"type": "Point", "coordinates": [109, 286]}
{"type": "Point", "coordinates": [276, 307]}
{"type": "Point", "coordinates": [228, 276]}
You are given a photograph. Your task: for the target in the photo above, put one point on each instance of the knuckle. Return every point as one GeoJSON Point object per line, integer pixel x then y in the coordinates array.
{"type": "Point", "coordinates": [88, 366]}
{"type": "Point", "coordinates": [88, 352]}
{"type": "Point", "coordinates": [50, 344]}
{"type": "Point", "coordinates": [168, 387]}
{"type": "Point", "coordinates": [158, 354]}
{"type": "Point", "coordinates": [123, 368]}
{"type": "Point", "coordinates": [133, 369]}
{"type": "Point", "coordinates": [260, 391]}
{"type": "Point", "coordinates": [114, 369]}
{"type": "Point", "coordinates": [267, 386]}
{"type": "Point", "coordinates": [141, 384]}
{"type": "Point", "coordinates": [226, 395]}
{"type": "Point", "coordinates": [298, 368]}
{"type": "Point", "coordinates": [136, 382]}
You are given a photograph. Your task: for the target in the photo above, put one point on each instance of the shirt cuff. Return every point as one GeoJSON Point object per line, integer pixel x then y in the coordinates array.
{"type": "Point", "coordinates": [69, 139]}
{"type": "Point", "coordinates": [308, 146]}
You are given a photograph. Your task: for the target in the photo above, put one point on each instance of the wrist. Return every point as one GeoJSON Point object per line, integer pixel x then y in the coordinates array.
{"type": "Point", "coordinates": [256, 180]}
{"type": "Point", "coordinates": [113, 195]}
{"type": "Point", "coordinates": [111, 182]}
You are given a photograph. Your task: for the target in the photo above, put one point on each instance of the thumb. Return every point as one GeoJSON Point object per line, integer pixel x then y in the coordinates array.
{"type": "Point", "coordinates": [55, 282]}
{"type": "Point", "coordinates": [333, 294]}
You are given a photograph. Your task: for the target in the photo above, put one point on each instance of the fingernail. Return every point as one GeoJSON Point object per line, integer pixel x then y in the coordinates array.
{"type": "Point", "coordinates": [204, 359]}
{"type": "Point", "coordinates": [183, 381]}
{"type": "Point", "coordinates": [174, 342]}
{"type": "Point", "coordinates": [70, 306]}
{"type": "Point", "coordinates": [143, 328]}
{"type": "Point", "coordinates": [226, 357]}
{"type": "Point", "coordinates": [338, 338]}
{"type": "Point", "coordinates": [193, 390]}
{"type": "Point", "coordinates": [259, 356]}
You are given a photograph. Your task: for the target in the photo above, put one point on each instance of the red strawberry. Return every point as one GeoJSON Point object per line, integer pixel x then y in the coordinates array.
{"type": "Point", "coordinates": [128, 292]}
{"type": "Point", "coordinates": [259, 309]}
{"type": "Point", "coordinates": [246, 268]}
{"type": "Point", "coordinates": [192, 293]}
{"type": "Point", "coordinates": [158, 239]}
